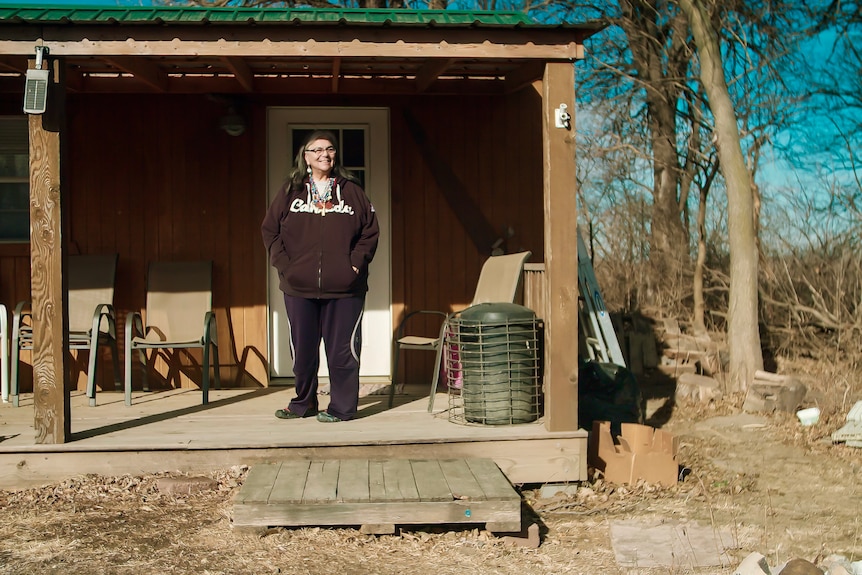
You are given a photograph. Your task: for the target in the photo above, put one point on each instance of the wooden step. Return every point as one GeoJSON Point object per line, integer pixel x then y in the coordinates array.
{"type": "Point", "coordinates": [377, 495]}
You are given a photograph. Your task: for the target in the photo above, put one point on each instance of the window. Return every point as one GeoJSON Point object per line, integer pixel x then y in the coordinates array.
{"type": "Point", "coordinates": [14, 179]}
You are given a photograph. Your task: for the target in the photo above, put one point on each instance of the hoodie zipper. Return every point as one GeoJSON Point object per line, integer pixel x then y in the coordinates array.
{"type": "Point", "coordinates": [320, 259]}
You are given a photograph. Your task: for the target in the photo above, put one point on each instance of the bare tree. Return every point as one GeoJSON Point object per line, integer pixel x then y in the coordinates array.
{"type": "Point", "coordinates": [743, 333]}
{"type": "Point", "coordinates": [643, 63]}
{"type": "Point", "coordinates": [660, 49]}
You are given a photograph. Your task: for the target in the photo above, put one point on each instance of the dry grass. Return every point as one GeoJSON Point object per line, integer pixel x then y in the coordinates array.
{"type": "Point", "coordinates": [779, 488]}
{"type": "Point", "coordinates": [125, 525]}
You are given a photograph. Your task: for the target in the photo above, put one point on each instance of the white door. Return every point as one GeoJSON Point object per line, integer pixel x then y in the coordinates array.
{"type": "Point", "coordinates": [364, 134]}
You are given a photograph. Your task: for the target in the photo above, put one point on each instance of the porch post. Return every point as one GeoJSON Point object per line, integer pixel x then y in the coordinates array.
{"type": "Point", "coordinates": [47, 265]}
{"type": "Point", "coordinates": [561, 253]}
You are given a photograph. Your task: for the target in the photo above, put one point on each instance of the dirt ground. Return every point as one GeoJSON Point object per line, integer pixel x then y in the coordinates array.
{"type": "Point", "coordinates": [759, 482]}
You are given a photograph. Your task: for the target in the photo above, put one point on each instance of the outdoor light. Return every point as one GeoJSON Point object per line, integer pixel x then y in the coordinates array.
{"type": "Point", "coordinates": [562, 118]}
{"type": "Point", "coordinates": [36, 88]}
{"type": "Point", "coordinates": [232, 123]}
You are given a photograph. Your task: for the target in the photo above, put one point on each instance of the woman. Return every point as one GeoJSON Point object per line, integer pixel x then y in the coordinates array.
{"type": "Point", "coordinates": [321, 233]}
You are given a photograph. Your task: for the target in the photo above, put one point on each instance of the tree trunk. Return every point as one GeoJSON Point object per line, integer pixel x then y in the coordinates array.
{"type": "Point", "coordinates": [655, 64]}
{"type": "Point", "coordinates": [668, 241]}
{"type": "Point", "coordinates": [697, 321]}
{"type": "Point", "coordinates": [742, 329]}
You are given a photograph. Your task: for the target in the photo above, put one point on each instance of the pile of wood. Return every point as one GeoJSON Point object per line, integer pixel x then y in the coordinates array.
{"type": "Point", "coordinates": [687, 353]}
{"type": "Point", "coordinates": [680, 353]}
{"type": "Point", "coordinates": [771, 392]}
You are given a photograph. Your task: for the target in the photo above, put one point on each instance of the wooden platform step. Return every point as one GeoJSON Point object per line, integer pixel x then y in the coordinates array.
{"type": "Point", "coordinates": [378, 495]}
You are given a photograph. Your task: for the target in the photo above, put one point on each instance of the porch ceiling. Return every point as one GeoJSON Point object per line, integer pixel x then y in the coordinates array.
{"type": "Point", "coordinates": [282, 74]}
{"type": "Point", "coordinates": [300, 55]}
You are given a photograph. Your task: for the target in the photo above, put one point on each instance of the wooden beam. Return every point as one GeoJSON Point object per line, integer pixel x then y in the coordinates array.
{"type": "Point", "coordinates": [336, 72]}
{"type": "Point", "coordinates": [524, 76]}
{"type": "Point", "coordinates": [74, 81]}
{"type": "Point", "coordinates": [307, 48]}
{"type": "Point", "coordinates": [143, 70]}
{"type": "Point", "coordinates": [561, 255]}
{"type": "Point", "coordinates": [12, 66]}
{"type": "Point", "coordinates": [47, 264]}
{"type": "Point", "coordinates": [346, 42]}
{"type": "Point", "coordinates": [227, 85]}
{"type": "Point", "coordinates": [428, 73]}
{"type": "Point", "coordinates": [241, 72]}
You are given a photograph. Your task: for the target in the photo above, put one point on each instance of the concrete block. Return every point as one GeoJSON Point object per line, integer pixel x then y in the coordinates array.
{"type": "Point", "coordinates": [754, 564]}
{"type": "Point", "coordinates": [697, 388]}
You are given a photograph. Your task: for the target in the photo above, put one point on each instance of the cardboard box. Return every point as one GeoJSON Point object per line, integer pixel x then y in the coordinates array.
{"type": "Point", "coordinates": [642, 453]}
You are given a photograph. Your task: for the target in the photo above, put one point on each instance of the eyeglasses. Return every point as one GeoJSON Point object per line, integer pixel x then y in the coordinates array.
{"type": "Point", "coordinates": [319, 151]}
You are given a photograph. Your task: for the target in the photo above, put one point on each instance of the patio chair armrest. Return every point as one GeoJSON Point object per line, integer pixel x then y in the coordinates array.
{"type": "Point", "coordinates": [210, 329]}
{"type": "Point", "coordinates": [22, 310]}
{"type": "Point", "coordinates": [104, 311]}
{"type": "Point", "coordinates": [4, 321]}
{"type": "Point", "coordinates": [4, 353]}
{"type": "Point", "coordinates": [133, 322]}
{"type": "Point", "coordinates": [399, 333]}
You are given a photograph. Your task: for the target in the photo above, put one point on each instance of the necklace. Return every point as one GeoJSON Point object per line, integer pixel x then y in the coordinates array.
{"type": "Point", "coordinates": [322, 199]}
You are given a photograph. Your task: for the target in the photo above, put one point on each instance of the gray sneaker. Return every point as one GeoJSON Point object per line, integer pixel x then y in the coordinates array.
{"type": "Point", "coordinates": [326, 417]}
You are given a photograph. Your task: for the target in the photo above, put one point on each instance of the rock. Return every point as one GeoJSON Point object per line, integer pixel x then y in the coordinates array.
{"type": "Point", "coordinates": [754, 564]}
{"type": "Point", "coordinates": [800, 567]}
{"type": "Point", "coordinates": [185, 485]}
{"type": "Point", "coordinates": [550, 490]}
{"type": "Point", "coordinates": [697, 388]}
{"type": "Point", "coordinates": [836, 564]}
{"type": "Point", "coordinates": [528, 538]}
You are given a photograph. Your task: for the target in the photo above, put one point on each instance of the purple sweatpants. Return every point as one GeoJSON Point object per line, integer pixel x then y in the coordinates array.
{"type": "Point", "coordinates": [338, 322]}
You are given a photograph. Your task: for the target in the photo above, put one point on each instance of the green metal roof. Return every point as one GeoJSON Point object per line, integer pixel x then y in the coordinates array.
{"type": "Point", "coordinates": [88, 14]}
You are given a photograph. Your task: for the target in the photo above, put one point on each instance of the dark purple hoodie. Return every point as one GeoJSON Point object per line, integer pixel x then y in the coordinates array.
{"type": "Point", "coordinates": [315, 252]}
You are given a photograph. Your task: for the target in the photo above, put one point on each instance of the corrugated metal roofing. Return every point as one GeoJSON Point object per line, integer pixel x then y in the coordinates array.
{"type": "Point", "coordinates": [84, 14]}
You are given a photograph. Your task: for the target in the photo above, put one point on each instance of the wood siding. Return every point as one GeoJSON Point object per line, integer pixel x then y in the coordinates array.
{"type": "Point", "coordinates": [151, 177]}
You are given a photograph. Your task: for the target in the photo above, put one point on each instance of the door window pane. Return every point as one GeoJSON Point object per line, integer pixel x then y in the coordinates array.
{"type": "Point", "coordinates": [353, 143]}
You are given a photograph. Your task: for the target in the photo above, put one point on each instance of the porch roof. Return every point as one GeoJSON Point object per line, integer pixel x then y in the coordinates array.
{"type": "Point", "coordinates": [315, 51]}
{"type": "Point", "coordinates": [168, 15]}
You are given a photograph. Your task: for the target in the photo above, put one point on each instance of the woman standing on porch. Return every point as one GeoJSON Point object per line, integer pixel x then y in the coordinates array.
{"type": "Point", "coordinates": [321, 233]}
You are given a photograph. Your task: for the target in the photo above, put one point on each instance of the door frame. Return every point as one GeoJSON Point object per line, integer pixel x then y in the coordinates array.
{"type": "Point", "coordinates": [376, 356]}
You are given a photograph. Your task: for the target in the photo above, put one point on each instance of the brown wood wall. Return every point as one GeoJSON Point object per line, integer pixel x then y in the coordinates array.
{"type": "Point", "coordinates": [153, 178]}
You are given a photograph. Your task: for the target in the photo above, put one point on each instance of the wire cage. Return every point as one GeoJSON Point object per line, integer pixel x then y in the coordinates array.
{"type": "Point", "coordinates": [492, 362]}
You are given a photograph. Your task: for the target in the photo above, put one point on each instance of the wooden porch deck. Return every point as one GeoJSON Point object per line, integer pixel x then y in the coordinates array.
{"type": "Point", "coordinates": [171, 431]}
